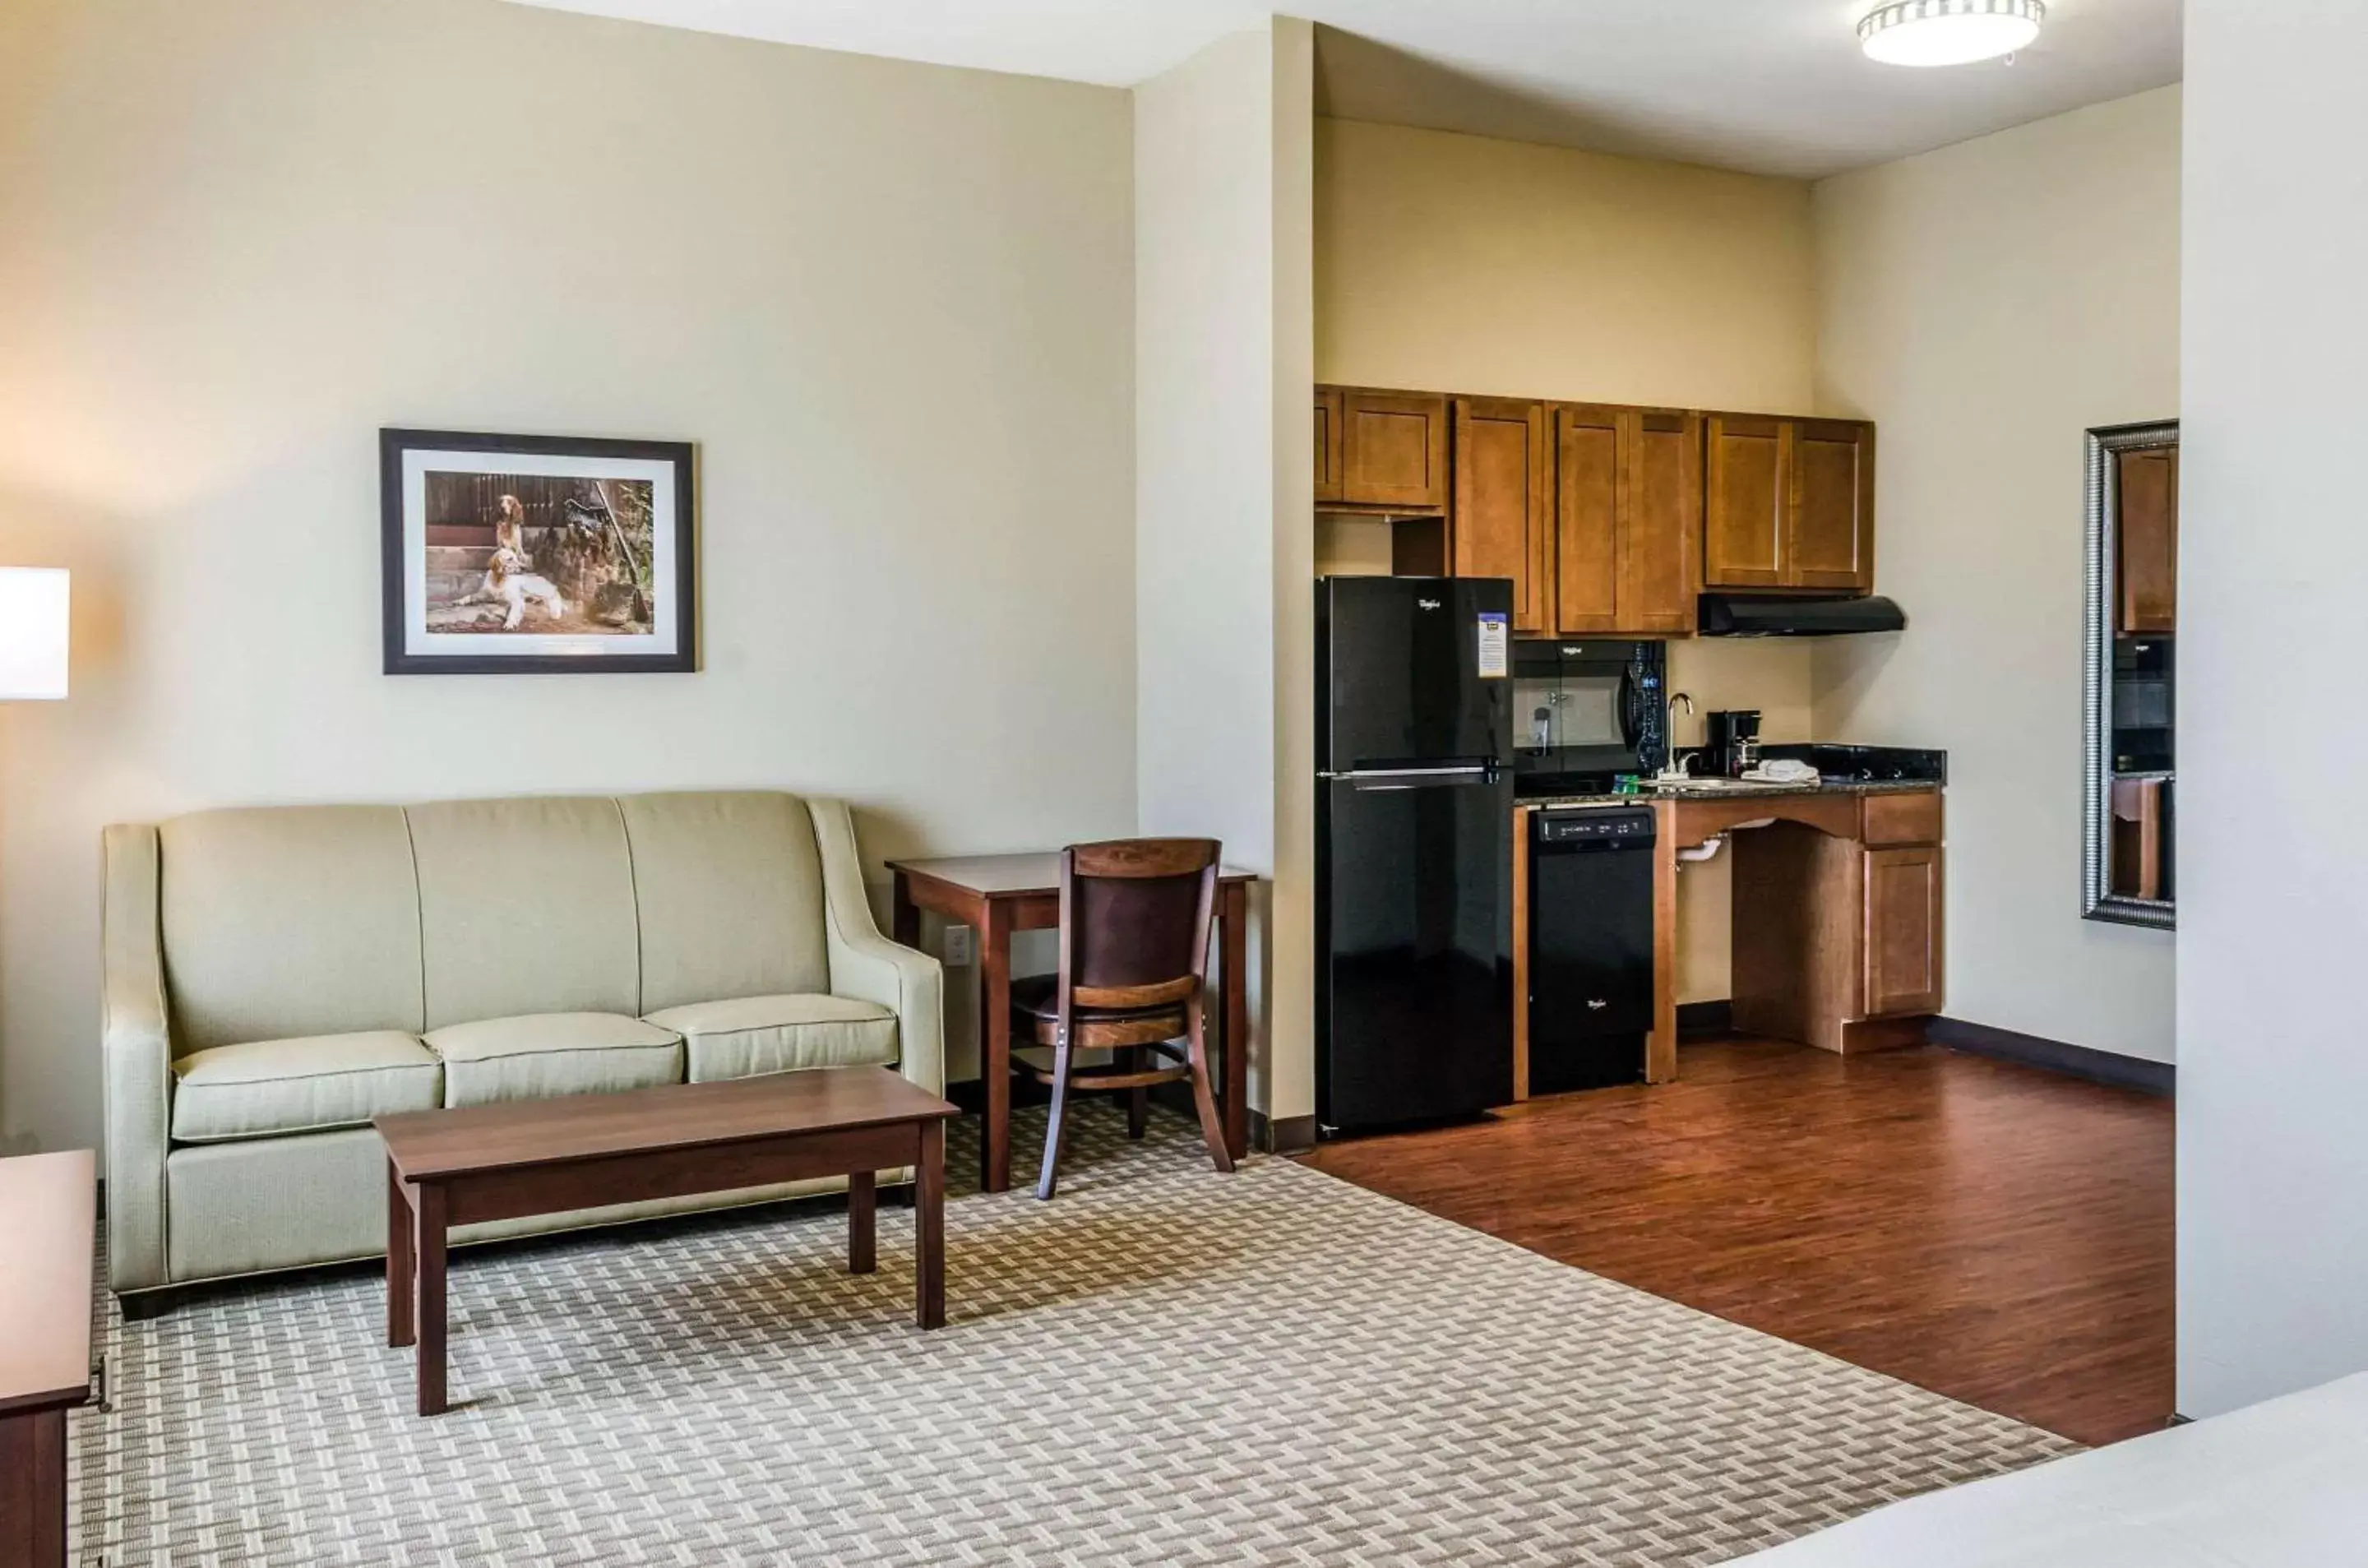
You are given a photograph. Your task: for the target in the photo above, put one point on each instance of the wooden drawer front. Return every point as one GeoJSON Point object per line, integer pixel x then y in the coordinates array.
{"type": "Point", "coordinates": [1903, 932]}
{"type": "Point", "coordinates": [1903, 819]}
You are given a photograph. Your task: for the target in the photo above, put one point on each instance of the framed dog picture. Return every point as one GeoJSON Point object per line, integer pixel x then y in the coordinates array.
{"type": "Point", "coordinates": [533, 554]}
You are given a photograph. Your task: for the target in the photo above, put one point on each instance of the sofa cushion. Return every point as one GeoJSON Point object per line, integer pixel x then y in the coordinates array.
{"type": "Point", "coordinates": [542, 1055]}
{"type": "Point", "coordinates": [287, 921]}
{"type": "Point", "coordinates": [274, 1086]}
{"type": "Point", "coordinates": [729, 890]}
{"type": "Point", "coordinates": [780, 1034]}
{"type": "Point", "coordinates": [525, 906]}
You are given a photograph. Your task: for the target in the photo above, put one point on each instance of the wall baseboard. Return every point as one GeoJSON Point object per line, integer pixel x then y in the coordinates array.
{"type": "Point", "coordinates": [2055, 1056]}
{"type": "Point", "coordinates": [1284, 1135]}
{"type": "Point", "coordinates": [1704, 1021]}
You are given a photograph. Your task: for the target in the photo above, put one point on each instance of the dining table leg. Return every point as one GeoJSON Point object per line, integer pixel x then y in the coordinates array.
{"type": "Point", "coordinates": [904, 915]}
{"type": "Point", "coordinates": [1234, 1101]}
{"type": "Point", "coordinates": [995, 1046]}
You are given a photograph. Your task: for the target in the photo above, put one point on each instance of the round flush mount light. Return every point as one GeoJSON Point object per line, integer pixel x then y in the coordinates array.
{"type": "Point", "coordinates": [1949, 33]}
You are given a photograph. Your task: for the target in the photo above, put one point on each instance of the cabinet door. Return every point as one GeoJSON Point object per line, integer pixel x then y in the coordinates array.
{"type": "Point", "coordinates": [1659, 521]}
{"type": "Point", "coordinates": [1502, 501]}
{"type": "Point", "coordinates": [1831, 539]}
{"type": "Point", "coordinates": [1750, 483]}
{"type": "Point", "coordinates": [2148, 567]}
{"type": "Point", "coordinates": [1588, 451]}
{"type": "Point", "coordinates": [1903, 932]}
{"type": "Point", "coordinates": [1327, 443]}
{"type": "Point", "coordinates": [1394, 449]}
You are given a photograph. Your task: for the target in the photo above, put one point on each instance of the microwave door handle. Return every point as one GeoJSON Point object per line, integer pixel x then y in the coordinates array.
{"type": "Point", "coordinates": [1631, 719]}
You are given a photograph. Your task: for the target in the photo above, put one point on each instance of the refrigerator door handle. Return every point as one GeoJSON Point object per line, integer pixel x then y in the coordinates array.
{"type": "Point", "coordinates": [1467, 770]}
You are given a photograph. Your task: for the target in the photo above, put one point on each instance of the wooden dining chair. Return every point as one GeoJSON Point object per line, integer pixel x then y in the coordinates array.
{"type": "Point", "coordinates": [1133, 977]}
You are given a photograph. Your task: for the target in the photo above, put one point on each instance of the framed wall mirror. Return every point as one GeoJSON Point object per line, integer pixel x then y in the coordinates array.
{"type": "Point", "coordinates": [2128, 871]}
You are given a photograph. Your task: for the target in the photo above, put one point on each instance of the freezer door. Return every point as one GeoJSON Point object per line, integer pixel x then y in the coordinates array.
{"type": "Point", "coordinates": [1401, 678]}
{"type": "Point", "coordinates": [1413, 990]}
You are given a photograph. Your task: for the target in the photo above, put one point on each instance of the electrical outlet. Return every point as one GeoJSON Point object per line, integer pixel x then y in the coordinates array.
{"type": "Point", "coordinates": [961, 947]}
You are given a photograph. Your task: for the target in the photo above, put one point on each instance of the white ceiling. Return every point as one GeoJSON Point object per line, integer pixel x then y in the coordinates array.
{"type": "Point", "coordinates": [1771, 86]}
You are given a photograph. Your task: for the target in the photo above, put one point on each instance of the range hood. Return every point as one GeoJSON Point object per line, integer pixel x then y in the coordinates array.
{"type": "Point", "coordinates": [1778, 615]}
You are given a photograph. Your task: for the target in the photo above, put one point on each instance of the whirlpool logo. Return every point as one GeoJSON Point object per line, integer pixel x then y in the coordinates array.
{"type": "Point", "coordinates": [1426, 604]}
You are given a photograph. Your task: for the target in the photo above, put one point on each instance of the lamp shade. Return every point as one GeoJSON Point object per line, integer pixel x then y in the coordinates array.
{"type": "Point", "coordinates": [32, 633]}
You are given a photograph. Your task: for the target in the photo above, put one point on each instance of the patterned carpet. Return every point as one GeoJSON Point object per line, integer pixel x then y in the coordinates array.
{"type": "Point", "coordinates": [1163, 1365]}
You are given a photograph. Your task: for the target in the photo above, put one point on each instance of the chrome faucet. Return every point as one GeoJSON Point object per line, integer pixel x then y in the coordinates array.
{"type": "Point", "coordinates": [1678, 765]}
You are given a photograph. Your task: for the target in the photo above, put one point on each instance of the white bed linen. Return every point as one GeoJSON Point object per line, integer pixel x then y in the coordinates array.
{"type": "Point", "coordinates": [2280, 1484]}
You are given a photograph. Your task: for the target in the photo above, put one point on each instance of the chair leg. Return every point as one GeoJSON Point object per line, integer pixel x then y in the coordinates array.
{"type": "Point", "coordinates": [1213, 1131]}
{"type": "Point", "coordinates": [1052, 1121]}
{"type": "Point", "coordinates": [1138, 1099]}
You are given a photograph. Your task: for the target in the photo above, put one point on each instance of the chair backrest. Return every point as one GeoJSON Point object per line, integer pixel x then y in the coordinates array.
{"type": "Point", "coordinates": [1134, 921]}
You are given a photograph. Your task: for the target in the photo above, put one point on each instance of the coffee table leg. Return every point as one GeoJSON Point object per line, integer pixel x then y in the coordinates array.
{"type": "Point", "coordinates": [862, 1203]}
{"type": "Point", "coordinates": [929, 1226]}
{"type": "Point", "coordinates": [398, 1261]}
{"type": "Point", "coordinates": [428, 1246]}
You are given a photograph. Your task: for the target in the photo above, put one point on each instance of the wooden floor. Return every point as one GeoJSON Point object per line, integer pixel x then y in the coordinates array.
{"type": "Point", "coordinates": [1999, 1235]}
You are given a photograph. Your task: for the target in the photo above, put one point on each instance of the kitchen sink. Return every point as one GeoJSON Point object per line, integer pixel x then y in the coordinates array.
{"type": "Point", "coordinates": [1713, 786]}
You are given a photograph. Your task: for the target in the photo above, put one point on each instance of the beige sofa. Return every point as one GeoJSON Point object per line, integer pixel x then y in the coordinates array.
{"type": "Point", "coordinates": [274, 978]}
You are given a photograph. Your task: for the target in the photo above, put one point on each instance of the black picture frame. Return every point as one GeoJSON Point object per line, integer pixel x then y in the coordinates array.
{"type": "Point", "coordinates": [681, 528]}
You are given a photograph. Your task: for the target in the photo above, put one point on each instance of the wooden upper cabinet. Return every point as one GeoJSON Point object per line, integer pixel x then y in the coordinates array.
{"type": "Point", "coordinates": [1660, 521]}
{"type": "Point", "coordinates": [1327, 443]}
{"type": "Point", "coordinates": [1588, 472]}
{"type": "Point", "coordinates": [2148, 534]}
{"type": "Point", "coordinates": [1750, 484]}
{"type": "Point", "coordinates": [1394, 450]}
{"type": "Point", "coordinates": [1903, 932]}
{"type": "Point", "coordinates": [1791, 505]}
{"type": "Point", "coordinates": [1628, 497]}
{"type": "Point", "coordinates": [1831, 542]}
{"type": "Point", "coordinates": [1504, 505]}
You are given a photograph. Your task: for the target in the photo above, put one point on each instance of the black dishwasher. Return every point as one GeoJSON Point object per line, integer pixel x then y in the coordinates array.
{"type": "Point", "coordinates": [1590, 947]}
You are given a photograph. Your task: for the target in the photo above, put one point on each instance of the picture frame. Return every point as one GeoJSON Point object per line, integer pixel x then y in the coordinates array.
{"type": "Point", "coordinates": [504, 554]}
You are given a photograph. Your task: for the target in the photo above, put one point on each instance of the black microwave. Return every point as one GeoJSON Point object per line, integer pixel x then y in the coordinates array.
{"type": "Point", "coordinates": [1584, 712]}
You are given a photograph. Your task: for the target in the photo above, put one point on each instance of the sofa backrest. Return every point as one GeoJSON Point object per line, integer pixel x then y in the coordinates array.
{"type": "Point", "coordinates": [283, 921]}
{"type": "Point", "coordinates": [289, 920]}
{"type": "Point", "coordinates": [525, 906]}
{"type": "Point", "coordinates": [729, 891]}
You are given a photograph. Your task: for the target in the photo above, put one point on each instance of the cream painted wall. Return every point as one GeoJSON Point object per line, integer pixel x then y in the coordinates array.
{"type": "Point", "coordinates": [892, 303]}
{"type": "Point", "coordinates": [1462, 264]}
{"type": "Point", "coordinates": [1225, 481]}
{"type": "Point", "coordinates": [1985, 305]}
{"type": "Point", "coordinates": [2272, 1081]}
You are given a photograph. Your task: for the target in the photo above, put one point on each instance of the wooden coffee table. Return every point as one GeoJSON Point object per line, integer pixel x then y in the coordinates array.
{"type": "Point", "coordinates": [503, 1162]}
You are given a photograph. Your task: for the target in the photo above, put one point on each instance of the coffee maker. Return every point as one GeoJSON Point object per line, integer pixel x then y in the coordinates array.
{"type": "Point", "coordinates": [1734, 741]}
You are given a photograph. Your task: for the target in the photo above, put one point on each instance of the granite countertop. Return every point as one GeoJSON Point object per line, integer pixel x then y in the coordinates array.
{"type": "Point", "coordinates": [1743, 790]}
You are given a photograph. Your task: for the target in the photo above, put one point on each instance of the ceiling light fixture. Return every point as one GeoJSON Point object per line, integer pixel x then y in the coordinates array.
{"type": "Point", "coordinates": [1949, 33]}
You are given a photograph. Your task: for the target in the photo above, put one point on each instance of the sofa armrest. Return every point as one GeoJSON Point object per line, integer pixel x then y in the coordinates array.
{"type": "Point", "coordinates": [867, 966]}
{"type": "Point", "coordinates": [136, 1049]}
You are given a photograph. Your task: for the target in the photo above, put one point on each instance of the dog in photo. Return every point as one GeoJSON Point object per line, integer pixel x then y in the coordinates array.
{"type": "Point", "coordinates": [510, 580]}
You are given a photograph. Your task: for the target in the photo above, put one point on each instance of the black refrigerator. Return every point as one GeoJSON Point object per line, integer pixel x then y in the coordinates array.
{"type": "Point", "coordinates": [1413, 806]}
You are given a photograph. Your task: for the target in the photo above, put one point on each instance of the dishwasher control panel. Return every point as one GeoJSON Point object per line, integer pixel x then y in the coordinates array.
{"type": "Point", "coordinates": [1618, 825]}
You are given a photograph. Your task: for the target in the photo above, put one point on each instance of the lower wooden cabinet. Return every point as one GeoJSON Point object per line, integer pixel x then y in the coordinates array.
{"type": "Point", "coordinates": [1903, 939]}
{"type": "Point", "coordinates": [1838, 939]}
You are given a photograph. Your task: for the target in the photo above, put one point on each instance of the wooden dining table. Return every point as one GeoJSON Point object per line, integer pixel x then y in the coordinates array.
{"type": "Point", "coordinates": [999, 895]}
